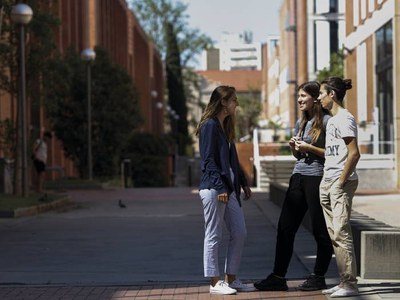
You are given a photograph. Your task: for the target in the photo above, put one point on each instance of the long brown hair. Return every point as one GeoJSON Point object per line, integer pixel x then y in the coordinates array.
{"type": "Point", "coordinates": [312, 88]}
{"type": "Point", "coordinates": [214, 107]}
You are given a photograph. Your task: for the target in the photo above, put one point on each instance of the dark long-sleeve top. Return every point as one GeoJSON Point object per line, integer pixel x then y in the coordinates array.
{"type": "Point", "coordinates": [218, 156]}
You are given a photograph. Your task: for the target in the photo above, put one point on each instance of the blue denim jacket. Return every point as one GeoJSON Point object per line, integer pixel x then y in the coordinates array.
{"type": "Point", "coordinates": [216, 160]}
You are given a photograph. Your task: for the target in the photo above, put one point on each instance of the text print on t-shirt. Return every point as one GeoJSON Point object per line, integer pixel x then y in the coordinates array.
{"type": "Point", "coordinates": [332, 134]}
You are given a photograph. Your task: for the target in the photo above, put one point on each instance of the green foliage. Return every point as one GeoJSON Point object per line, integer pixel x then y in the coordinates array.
{"type": "Point", "coordinates": [166, 23]}
{"type": "Point", "coordinates": [247, 114]}
{"type": "Point", "coordinates": [8, 50]}
{"type": "Point", "coordinates": [285, 150]}
{"type": "Point", "coordinates": [39, 48]}
{"type": "Point", "coordinates": [8, 138]}
{"type": "Point", "coordinates": [336, 67]}
{"type": "Point", "coordinates": [115, 110]}
{"type": "Point", "coordinates": [154, 14]}
{"type": "Point", "coordinates": [149, 154]}
{"type": "Point", "coordinates": [176, 92]}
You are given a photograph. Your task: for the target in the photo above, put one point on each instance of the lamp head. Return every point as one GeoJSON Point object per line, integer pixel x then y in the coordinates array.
{"type": "Point", "coordinates": [21, 14]}
{"type": "Point", "coordinates": [88, 54]}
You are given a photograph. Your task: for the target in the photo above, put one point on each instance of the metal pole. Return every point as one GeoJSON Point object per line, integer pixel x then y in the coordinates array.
{"type": "Point", "coordinates": [89, 121]}
{"type": "Point", "coordinates": [23, 115]}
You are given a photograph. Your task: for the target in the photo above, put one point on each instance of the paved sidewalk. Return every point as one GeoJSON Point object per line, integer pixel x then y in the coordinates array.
{"type": "Point", "coordinates": [166, 291]}
{"type": "Point", "coordinates": [152, 249]}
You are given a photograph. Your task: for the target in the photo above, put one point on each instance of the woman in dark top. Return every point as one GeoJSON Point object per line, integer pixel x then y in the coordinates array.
{"type": "Point", "coordinates": [308, 146]}
{"type": "Point", "coordinates": [220, 186]}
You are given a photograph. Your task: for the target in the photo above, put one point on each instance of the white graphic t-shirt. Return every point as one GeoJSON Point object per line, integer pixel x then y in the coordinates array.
{"type": "Point", "coordinates": [339, 126]}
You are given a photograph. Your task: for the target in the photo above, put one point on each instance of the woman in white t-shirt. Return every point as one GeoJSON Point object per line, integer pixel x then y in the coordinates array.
{"type": "Point", "coordinates": [340, 182]}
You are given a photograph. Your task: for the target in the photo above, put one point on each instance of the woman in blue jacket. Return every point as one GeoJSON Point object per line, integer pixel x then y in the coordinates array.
{"type": "Point", "coordinates": [221, 182]}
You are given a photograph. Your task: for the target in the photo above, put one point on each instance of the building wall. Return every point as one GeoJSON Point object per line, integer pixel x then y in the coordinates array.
{"type": "Point", "coordinates": [272, 71]}
{"type": "Point", "coordinates": [396, 91]}
{"type": "Point", "coordinates": [363, 20]}
{"type": "Point", "coordinates": [111, 25]}
{"type": "Point", "coordinates": [112, 21]}
{"type": "Point", "coordinates": [306, 45]}
{"type": "Point", "coordinates": [302, 45]}
{"type": "Point", "coordinates": [286, 68]}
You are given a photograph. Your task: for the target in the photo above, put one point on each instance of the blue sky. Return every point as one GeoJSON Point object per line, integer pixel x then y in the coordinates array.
{"type": "Point", "coordinates": [213, 17]}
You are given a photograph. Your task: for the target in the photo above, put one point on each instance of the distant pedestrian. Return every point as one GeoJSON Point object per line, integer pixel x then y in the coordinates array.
{"type": "Point", "coordinates": [220, 186]}
{"type": "Point", "coordinates": [39, 156]}
{"type": "Point", "coordinates": [340, 182]}
{"type": "Point", "coordinates": [307, 146]}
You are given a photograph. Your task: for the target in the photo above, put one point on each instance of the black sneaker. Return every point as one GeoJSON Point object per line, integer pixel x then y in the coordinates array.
{"type": "Point", "coordinates": [272, 283]}
{"type": "Point", "coordinates": [313, 283]}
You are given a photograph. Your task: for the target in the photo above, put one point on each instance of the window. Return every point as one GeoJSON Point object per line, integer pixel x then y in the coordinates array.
{"type": "Point", "coordinates": [384, 75]}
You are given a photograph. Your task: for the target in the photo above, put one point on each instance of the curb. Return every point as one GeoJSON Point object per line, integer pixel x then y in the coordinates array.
{"type": "Point", "coordinates": [35, 210]}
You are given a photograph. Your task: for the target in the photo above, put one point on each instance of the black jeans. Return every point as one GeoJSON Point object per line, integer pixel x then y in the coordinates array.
{"type": "Point", "coordinates": [302, 194]}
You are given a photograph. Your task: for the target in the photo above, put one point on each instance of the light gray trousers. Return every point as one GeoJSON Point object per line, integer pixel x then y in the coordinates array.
{"type": "Point", "coordinates": [215, 214]}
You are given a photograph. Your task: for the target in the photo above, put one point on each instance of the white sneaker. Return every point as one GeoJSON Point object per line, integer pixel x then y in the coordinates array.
{"type": "Point", "coordinates": [222, 288]}
{"type": "Point", "coordinates": [345, 292]}
{"type": "Point", "coordinates": [238, 285]}
{"type": "Point", "coordinates": [331, 290]}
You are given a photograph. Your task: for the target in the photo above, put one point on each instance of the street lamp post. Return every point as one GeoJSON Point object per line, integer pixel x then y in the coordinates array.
{"type": "Point", "coordinates": [21, 14]}
{"type": "Point", "coordinates": [159, 106]}
{"type": "Point", "coordinates": [89, 55]}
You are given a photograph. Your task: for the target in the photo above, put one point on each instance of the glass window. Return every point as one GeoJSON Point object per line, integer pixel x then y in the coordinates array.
{"type": "Point", "coordinates": [384, 75]}
{"type": "Point", "coordinates": [388, 40]}
{"type": "Point", "coordinates": [379, 38]}
{"type": "Point", "coordinates": [333, 6]}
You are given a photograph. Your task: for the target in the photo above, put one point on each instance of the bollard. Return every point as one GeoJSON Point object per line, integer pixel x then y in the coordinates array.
{"type": "Point", "coordinates": [126, 171]}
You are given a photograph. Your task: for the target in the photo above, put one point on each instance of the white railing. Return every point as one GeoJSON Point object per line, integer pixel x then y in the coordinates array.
{"type": "Point", "coordinates": [372, 161]}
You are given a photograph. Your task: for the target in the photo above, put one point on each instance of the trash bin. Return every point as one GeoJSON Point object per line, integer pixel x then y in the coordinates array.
{"type": "Point", "coordinates": [126, 171]}
{"type": "Point", "coordinates": [190, 163]}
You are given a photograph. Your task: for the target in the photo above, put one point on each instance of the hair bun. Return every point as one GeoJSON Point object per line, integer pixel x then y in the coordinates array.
{"type": "Point", "coordinates": [347, 84]}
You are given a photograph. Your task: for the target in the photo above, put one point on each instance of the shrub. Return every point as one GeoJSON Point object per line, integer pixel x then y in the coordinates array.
{"type": "Point", "coordinates": [149, 158]}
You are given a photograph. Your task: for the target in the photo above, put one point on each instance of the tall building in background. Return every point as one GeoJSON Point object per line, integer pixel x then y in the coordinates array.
{"type": "Point", "coordinates": [310, 32]}
{"type": "Point", "coordinates": [233, 52]}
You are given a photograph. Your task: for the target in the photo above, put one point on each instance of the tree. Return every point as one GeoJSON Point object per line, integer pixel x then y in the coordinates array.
{"type": "Point", "coordinates": [40, 47]}
{"type": "Point", "coordinates": [247, 114]}
{"type": "Point", "coordinates": [336, 67]}
{"type": "Point", "coordinates": [154, 14]}
{"type": "Point", "coordinates": [166, 24]}
{"type": "Point", "coordinates": [115, 110]}
{"type": "Point", "coordinates": [176, 92]}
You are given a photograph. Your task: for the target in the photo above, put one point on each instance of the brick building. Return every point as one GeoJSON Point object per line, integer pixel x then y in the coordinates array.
{"type": "Point", "coordinates": [109, 24]}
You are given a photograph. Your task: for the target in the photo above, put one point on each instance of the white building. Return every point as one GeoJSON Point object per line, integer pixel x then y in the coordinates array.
{"type": "Point", "coordinates": [233, 52]}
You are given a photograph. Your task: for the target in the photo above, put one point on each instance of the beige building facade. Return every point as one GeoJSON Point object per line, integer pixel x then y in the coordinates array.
{"type": "Point", "coordinates": [310, 32]}
{"type": "Point", "coordinates": [373, 63]}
